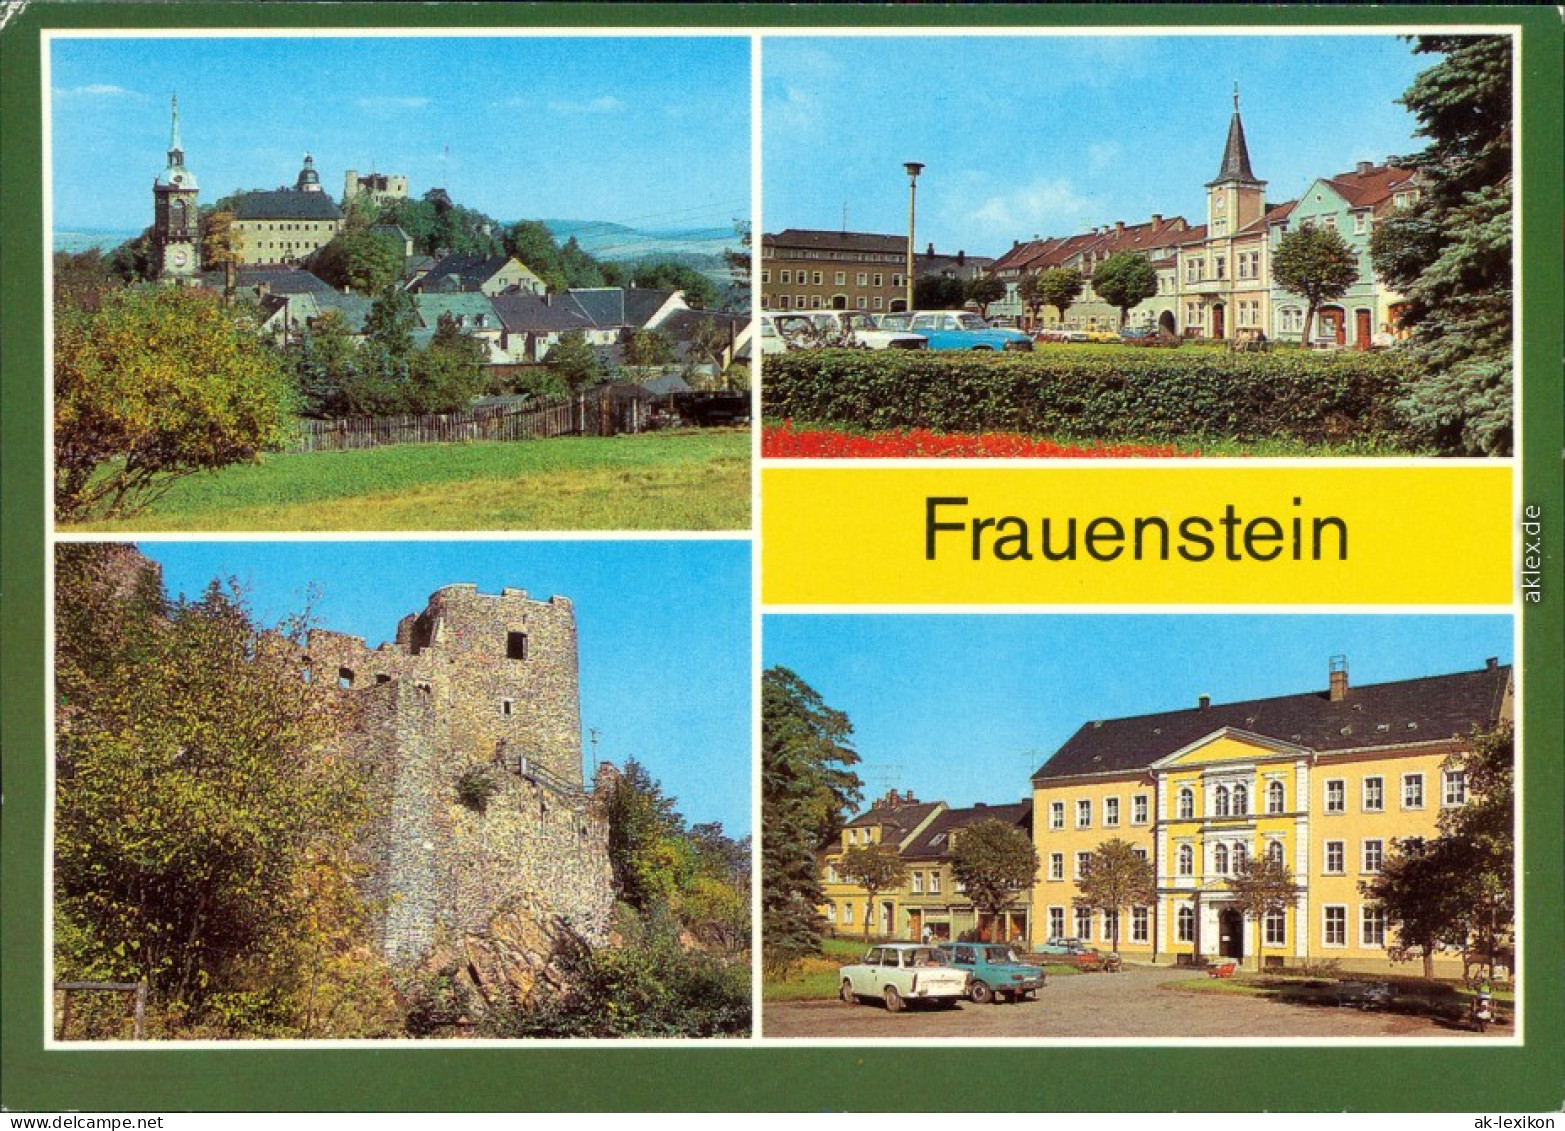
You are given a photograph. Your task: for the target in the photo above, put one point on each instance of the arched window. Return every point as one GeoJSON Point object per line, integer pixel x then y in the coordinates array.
{"type": "Point", "coordinates": [1274, 852]}
{"type": "Point", "coordinates": [176, 216]}
{"type": "Point", "coordinates": [1240, 854]}
{"type": "Point", "coordinates": [1241, 801]}
{"type": "Point", "coordinates": [1186, 860]}
{"type": "Point", "coordinates": [1274, 797]}
{"type": "Point", "coordinates": [1220, 801]}
{"type": "Point", "coordinates": [1220, 859]}
{"type": "Point", "coordinates": [1186, 921]}
{"type": "Point", "coordinates": [1186, 803]}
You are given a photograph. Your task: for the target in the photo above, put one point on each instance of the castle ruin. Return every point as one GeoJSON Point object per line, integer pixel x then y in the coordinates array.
{"type": "Point", "coordinates": [470, 725]}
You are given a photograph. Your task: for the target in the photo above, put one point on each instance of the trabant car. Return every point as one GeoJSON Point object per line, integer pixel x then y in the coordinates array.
{"type": "Point", "coordinates": [902, 974]}
{"type": "Point", "coordinates": [994, 970]}
{"type": "Point", "coordinates": [854, 329]}
{"type": "Point", "coordinates": [962, 330]}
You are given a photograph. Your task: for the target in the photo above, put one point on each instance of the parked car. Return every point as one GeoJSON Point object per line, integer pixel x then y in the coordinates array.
{"type": "Point", "coordinates": [783, 330]}
{"type": "Point", "coordinates": [1071, 952]}
{"type": "Point", "coordinates": [961, 330]}
{"type": "Point", "coordinates": [1059, 334]}
{"type": "Point", "coordinates": [853, 328]}
{"type": "Point", "coordinates": [1062, 945]}
{"type": "Point", "coordinates": [902, 974]}
{"type": "Point", "coordinates": [995, 971]}
{"type": "Point", "coordinates": [1137, 333]}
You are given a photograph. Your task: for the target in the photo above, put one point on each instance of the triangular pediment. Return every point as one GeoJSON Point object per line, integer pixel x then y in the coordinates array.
{"type": "Point", "coordinates": [1230, 744]}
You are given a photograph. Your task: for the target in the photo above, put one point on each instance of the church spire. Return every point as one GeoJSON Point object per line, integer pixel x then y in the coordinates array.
{"type": "Point", "coordinates": [176, 151]}
{"type": "Point", "coordinates": [1236, 154]}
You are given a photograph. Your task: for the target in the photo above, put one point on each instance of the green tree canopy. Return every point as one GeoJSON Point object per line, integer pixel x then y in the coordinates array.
{"type": "Point", "coordinates": [995, 862]}
{"type": "Point", "coordinates": [1262, 886]}
{"type": "Point", "coordinates": [700, 292]}
{"type": "Point", "coordinates": [651, 861]}
{"type": "Point", "coordinates": [984, 290]}
{"type": "Point", "coordinates": [1124, 280]}
{"type": "Point", "coordinates": [807, 789]}
{"type": "Point", "coordinates": [365, 261]}
{"type": "Point", "coordinates": [938, 292]}
{"type": "Point", "coordinates": [1316, 264]}
{"type": "Point", "coordinates": [449, 372]}
{"type": "Point", "coordinates": [1059, 287]}
{"type": "Point", "coordinates": [875, 868]}
{"type": "Point", "coordinates": [1113, 877]}
{"type": "Point", "coordinates": [158, 383]}
{"type": "Point", "coordinates": [649, 348]}
{"type": "Point", "coordinates": [574, 362]}
{"type": "Point", "coordinates": [1450, 252]}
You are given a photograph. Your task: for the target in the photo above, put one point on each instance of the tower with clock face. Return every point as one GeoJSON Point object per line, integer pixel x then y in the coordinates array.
{"type": "Point", "coordinates": [176, 241]}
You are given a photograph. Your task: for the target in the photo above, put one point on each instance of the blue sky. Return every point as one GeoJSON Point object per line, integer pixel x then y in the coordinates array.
{"type": "Point", "coordinates": [1052, 135]}
{"type": "Point", "coordinates": [965, 708]}
{"type": "Point", "coordinates": [663, 630]}
{"type": "Point", "coordinates": [653, 132]}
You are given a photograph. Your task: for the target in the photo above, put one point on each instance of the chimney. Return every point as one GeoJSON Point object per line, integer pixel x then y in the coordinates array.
{"type": "Point", "coordinates": [1204, 702]}
{"type": "Point", "coordinates": [1015, 244]}
{"type": "Point", "coordinates": [1492, 664]}
{"type": "Point", "coordinates": [1339, 678]}
{"type": "Point", "coordinates": [931, 251]}
{"type": "Point", "coordinates": [1119, 226]}
{"type": "Point", "coordinates": [1364, 167]}
{"type": "Point", "coordinates": [1157, 220]}
{"type": "Point", "coordinates": [961, 257]}
{"type": "Point", "coordinates": [980, 805]}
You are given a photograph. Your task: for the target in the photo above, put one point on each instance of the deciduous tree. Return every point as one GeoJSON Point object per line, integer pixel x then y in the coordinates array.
{"type": "Point", "coordinates": [1059, 287]}
{"type": "Point", "coordinates": [1262, 886]}
{"type": "Point", "coordinates": [1316, 264]}
{"type": "Point", "coordinates": [1113, 877]}
{"type": "Point", "coordinates": [1124, 280]}
{"type": "Point", "coordinates": [157, 384]}
{"type": "Point", "coordinates": [574, 362]}
{"type": "Point", "coordinates": [995, 862]}
{"type": "Point", "coordinates": [362, 260]}
{"type": "Point", "coordinates": [875, 868]}
{"type": "Point", "coordinates": [984, 290]}
{"type": "Point", "coordinates": [700, 292]}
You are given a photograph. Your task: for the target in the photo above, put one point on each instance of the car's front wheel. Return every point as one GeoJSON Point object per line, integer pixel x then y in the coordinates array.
{"type": "Point", "coordinates": [847, 993]}
{"type": "Point", "coordinates": [893, 1000]}
{"type": "Point", "coordinates": [981, 993]}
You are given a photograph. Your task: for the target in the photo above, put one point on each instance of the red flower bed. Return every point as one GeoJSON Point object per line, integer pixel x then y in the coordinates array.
{"type": "Point", "coordinates": [784, 442]}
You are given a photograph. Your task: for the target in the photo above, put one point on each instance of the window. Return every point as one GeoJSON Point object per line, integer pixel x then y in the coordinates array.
{"type": "Point", "coordinates": [1412, 791]}
{"type": "Point", "coordinates": [506, 706]}
{"type": "Point", "coordinates": [1372, 925]}
{"type": "Point", "coordinates": [815, 278]}
{"type": "Point", "coordinates": [1453, 789]}
{"type": "Point", "coordinates": [1056, 815]}
{"type": "Point", "coordinates": [842, 278]}
{"type": "Point", "coordinates": [1276, 924]}
{"type": "Point", "coordinates": [863, 278]}
{"type": "Point", "coordinates": [1220, 801]}
{"type": "Point", "coordinates": [1335, 932]}
{"type": "Point", "coordinates": [1138, 809]}
{"type": "Point", "coordinates": [1220, 859]}
{"type": "Point", "coordinates": [1110, 812]}
{"type": "Point", "coordinates": [1185, 925]}
{"type": "Point", "coordinates": [766, 276]}
{"type": "Point", "coordinates": [515, 645]}
{"type": "Point", "coordinates": [1241, 854]}
{"type": "Point", "coordinates": [1241, 801]}
{"type": "Point", "coordinates": [1139, 853]}
{"type": "Point", "coordinates": [1290, 320]}
{"type": "Point", "coordinates": [918, 883]}
{"type": "Point", "coordinates": [1084, 924]}
{"type": "Point", "coordinates": [345, 679]}
{"type": "Point", "coordinates": [1220, 267]}
{"type": "Point", "coordinates": [934, 882]}
{"type": "Point", "coordinates": [1192, 314]}
{"type": "Point", "coordinates": [1186, 859]}
{"type": "Point", "coordinates": [1140, 925]}
{"type": "Point", "coordinates": [1056, 922]}
{"type": "Point", "coordinates": [1249, 265]}
{"type": "Point", "coordinates": [847, 914]}
{"type": "Point", "coordinates": [879, 302]}
{"type": "Point", "coordinates": [1374, 855]}
{"type": "Point", "coordinates": [1110, 925]}
{"type": "Point", "coordinates": [1374, 795]}
{"type": "Point", "coordinates": [799, 301]}
{"type": "Point", "coordinates": [861, 303]}
{"type": "Point", "coordinates": [1056, 865]}
{"type": "Point", "coordinates": [1193, 269]}
{"type": "Point", "coordinates": [1276, 797]}
{"type": "Point", "coordinates": [783, 276]}
{"type": "Point", "coordinates": [1082, 859]}
{"type": "Point", "coordinates": [1334, 858]}
{"type": "Point", "coordinates": [1337, 796]}
{"type": "Point", "coordinates": [1083, 814]}
{"type": "Point", "coordinates": [1275, 851]}
{"type": "Point", "coordinates": [831, 872]}
{"type": "Point", "coordinates": [1186, 803]}
{"type": "Point", "coordinates": [1360, 223]}
{"type": "Point", "coordinates": [831, 913]}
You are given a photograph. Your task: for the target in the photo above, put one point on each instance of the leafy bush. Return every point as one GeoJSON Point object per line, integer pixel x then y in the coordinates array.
{"type": "Point", "coordinates": [475, 786]}
{"type": "Point", "coordinates": [1190, 395]}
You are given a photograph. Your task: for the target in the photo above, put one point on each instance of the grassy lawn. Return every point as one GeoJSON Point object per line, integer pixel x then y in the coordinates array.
{"type": "Point", "coordinates": [695, 480]}
{"type": "Point", "coordinates": [1402, 994]}
{"type": "Point", "coordinates": [815, 979]}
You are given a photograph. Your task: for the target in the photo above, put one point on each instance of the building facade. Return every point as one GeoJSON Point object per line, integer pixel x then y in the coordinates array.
{"type": "Point", "coordinates": [285, 226]}
{"type": "Point", "coordinates": [1325, 782]}
{"type": "Point", "coordinates": [176, 238]}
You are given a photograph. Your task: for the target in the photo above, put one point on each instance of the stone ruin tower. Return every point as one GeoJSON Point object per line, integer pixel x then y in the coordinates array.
{"type": "Point", "coordinates": [471, 726]}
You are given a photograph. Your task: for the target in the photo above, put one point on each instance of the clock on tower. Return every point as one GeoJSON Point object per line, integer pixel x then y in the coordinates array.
{"type": "Point", "coordinates": [175, 226]}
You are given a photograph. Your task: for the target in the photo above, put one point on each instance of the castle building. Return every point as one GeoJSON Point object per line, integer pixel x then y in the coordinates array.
{"type": "Point", "coordinates": [381, 188]}
{"type": "Point", "coordinates": [285, 225]}
{"type": "Point", "coordinates": [176, 239]}
{"type": "Point", "coordinates": [470, 726]}
{"type": "Point", "coordinates": [1325, 782]}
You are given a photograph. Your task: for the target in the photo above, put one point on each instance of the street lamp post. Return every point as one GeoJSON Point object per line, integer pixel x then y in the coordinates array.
{"type": "Point", "coordinates": [914, 168]}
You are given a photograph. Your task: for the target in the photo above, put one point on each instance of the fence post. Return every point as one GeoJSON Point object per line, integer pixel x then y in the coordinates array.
{"type": "Point", "coordinates": [141, 1011]}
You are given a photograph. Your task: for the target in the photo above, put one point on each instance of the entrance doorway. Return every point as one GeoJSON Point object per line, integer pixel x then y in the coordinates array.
{"type": "Point", "coordinates": [1230, 933]}
{"type": "Point", "coordinates": [1363, 329]}
{"type": "Point", "coordinates": [1218, 329]}
{"type": "Point", "coordinates": [1165, 323]}
{"type": "Point", "coordinates": [1334, 325]}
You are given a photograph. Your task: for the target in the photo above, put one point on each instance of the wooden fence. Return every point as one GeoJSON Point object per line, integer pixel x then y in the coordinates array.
{"type": "Point", "coordinates": [596, 412]}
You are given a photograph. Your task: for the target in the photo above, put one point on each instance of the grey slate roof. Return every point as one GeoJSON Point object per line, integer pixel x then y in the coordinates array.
{"type": "Point", "coordinates": [1236, 154]}
{"type": "Point", "coordinates": [837, 241]}
{"type": "Point", "coordinates": [1383, 714]}
{"type": "Point", "coordinates": [531, 313]}
{"type": "Point", "coordinates": [901, 820]}
{"type": "Point", "coordinates": [934, 841]}
{"type": "Point", "coordinates": [280, 280]}
{"type": "Point", "coordinates": [470, 270]}
{"type": "Point", "coordinates": [286, 205]}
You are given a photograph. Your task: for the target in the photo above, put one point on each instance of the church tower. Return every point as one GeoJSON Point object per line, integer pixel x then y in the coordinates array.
{"type": "Point", "coordinates": [176, 240]}
{"type": "Point", "coordinates": [1236, 198]}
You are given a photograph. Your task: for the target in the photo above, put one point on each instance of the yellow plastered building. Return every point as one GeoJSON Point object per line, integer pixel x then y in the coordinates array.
{"type": "Point", "coordinates": [1325, 782]}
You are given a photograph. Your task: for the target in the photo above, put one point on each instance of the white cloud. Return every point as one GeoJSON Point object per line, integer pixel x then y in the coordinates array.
{"type": "Point", "coordinates": [796, 112]}
{"type": "Point", "coordinates": [1044, 207]}
{"type": "Point", "coordinates": [381, 102]}
{"type": "Point", "coordinates": [1102, 154]}
{"type": "Point", "coordinates": [603, 104]}
{"type": "Point", "coordinates": [95, 90]}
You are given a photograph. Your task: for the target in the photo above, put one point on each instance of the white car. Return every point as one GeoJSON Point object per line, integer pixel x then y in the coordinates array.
{"type": "Point", "coordinates": [902, 974]}
{"type": "Point", "coordinates": [855, 328]}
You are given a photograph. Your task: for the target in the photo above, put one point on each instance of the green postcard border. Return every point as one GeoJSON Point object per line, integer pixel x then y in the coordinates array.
{"type": "Point", "coordinates": [730, 1078]}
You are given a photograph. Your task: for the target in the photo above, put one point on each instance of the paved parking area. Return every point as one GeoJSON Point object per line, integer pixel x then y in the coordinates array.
{"type": "Point", "coordinates": [1134, 1004]}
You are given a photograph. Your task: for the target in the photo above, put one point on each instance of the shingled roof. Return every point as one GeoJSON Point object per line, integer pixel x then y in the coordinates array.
{"type": "Point", "coordinates": [1376, 715]}
{"type": "Point", "coordinates": [899, 816]}
{"type": "Point", "coordinates": [935, 841]}
{"type": "Point", "coordinates": [286, 204]}
{"type": "Point", "coordinates": [836, 241]}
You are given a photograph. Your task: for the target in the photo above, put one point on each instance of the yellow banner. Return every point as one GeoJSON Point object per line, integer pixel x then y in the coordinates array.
{"type": "Point", "coordinates": [1431, 534]}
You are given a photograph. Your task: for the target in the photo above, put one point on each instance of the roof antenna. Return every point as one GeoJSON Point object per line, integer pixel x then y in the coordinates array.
{"type": "Point", "coordinates": [1236, 96]}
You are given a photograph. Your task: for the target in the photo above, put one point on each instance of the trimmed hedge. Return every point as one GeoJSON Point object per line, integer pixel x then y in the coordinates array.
{"type": "Point", "coordinates": [1131, 395]}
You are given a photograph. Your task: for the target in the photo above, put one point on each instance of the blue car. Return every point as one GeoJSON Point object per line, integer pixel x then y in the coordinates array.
{"type": "Point", "coordinates": [961, 330]}
{"type": "Point", "coordinates": [993, 971]}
